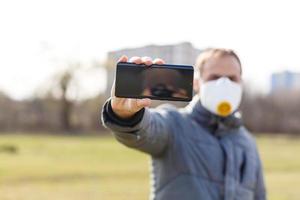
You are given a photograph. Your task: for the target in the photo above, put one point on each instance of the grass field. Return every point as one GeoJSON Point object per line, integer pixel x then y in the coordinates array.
{"type": "Point", "coordinates": [90, 168]}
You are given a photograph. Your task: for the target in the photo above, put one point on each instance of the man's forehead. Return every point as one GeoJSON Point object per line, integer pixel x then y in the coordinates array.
{"type": "Point", "coordinates": [221, 64]}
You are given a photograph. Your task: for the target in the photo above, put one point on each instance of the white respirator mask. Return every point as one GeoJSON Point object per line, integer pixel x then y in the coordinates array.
{"type": "Point", "coordinates": [221, 97]}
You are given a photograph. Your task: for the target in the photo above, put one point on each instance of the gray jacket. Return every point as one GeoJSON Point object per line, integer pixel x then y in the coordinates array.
{"type": "Point", "coordinates": [195, 154]}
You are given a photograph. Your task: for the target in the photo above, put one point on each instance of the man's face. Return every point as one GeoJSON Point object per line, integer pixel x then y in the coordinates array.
{"type": "Point", "coordinates": [222, 66]}
{"type": "Point", "coordinates": [221, 97]}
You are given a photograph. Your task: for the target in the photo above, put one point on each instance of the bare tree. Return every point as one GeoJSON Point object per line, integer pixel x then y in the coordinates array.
{"type": "Point", "coordinates": [66, 103]}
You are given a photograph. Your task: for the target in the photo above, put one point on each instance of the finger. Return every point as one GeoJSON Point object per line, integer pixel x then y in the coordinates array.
{"type": "Point", "coordinates": [136, 60]}
{"type": "Point", "coordinates": [141, 103]}
{"type": "Point", "coordinates": [158, 61]}
{"type": "Point", "coordinates": [123, 59]}
{"type": "Point", "coordinates": [147, 60]}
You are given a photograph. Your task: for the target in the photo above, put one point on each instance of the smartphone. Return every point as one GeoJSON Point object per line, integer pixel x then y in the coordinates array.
{"type": "Point", "coordinates": [159, 82]}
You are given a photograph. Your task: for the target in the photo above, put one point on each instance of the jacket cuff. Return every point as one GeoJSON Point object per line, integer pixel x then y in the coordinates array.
{"type": "Point", "coordinates": [109, 115]}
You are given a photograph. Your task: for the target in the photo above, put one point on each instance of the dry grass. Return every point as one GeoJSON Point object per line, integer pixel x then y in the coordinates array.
{"type": "Point", "coordinates": [88, 168]}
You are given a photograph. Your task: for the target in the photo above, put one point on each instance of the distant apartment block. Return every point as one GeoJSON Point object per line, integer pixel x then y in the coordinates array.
{"type": "Point", "coordinates": [182, 53]}
{"type": "Point", "coordinates": [285, 81]}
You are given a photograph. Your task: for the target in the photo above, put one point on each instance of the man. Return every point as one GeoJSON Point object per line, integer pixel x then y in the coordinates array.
{"type": "Point", "coordinates": [202, 151]}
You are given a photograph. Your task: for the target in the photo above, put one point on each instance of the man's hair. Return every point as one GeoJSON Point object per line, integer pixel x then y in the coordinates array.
{"type": "Point", "coordinates": [208, 53]}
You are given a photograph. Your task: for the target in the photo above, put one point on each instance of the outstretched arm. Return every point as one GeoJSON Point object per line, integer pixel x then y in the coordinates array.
{"type": "Point", "coordinates": [135, 125]}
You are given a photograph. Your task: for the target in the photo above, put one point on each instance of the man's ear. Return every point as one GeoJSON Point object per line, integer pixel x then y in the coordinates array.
{"type": "Point", "coordinates": [196, 85]}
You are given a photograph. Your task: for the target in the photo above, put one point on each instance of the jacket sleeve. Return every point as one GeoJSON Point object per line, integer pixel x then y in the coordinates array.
{"type": "Point", "coordinates": [147, 131]}
{"type": "Point", "coordinates": [260, 190]}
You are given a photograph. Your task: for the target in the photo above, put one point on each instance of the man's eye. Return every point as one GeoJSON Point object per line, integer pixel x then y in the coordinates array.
{"type": "Point", "coordinates": [233, 78]}
{"type": "Point", "coordinates": [215, 77]}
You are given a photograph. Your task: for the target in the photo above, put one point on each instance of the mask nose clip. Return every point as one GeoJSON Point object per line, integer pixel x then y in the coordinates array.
{"type": "Point", "coordinates": [224, 79]}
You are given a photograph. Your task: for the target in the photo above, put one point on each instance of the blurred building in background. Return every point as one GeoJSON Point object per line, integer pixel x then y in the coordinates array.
{"type": "Point", "coordinates": [285, 81]}
{"type": "Point", "coordinates": [182, 53]}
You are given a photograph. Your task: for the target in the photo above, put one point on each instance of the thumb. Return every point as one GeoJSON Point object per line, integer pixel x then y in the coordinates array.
{"type": "Point", "coordinates": [141, 103]}
{"type": "Point", "coordinates": [113, 88]}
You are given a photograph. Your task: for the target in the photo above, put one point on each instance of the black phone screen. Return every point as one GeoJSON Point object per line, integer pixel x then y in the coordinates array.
{"type": "Point", "coordinates": [162, 82]}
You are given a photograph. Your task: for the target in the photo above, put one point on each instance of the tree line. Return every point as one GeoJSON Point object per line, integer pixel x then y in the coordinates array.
{"type": "Point", "coordinates": [277, 112]}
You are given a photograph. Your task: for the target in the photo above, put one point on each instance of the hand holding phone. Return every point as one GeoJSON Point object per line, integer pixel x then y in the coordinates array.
{"type": "Point", "coordinates": [127, 107]}
{"type": "Point", "coordinates": [140, 79]}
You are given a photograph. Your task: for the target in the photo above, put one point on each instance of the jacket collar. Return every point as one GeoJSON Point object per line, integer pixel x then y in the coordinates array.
{"type": "Point", "coordinates": [215, 124]}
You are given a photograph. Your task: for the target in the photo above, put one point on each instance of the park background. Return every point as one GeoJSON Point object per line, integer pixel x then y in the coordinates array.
{"type": "Point", "coordinates": [57, 63]}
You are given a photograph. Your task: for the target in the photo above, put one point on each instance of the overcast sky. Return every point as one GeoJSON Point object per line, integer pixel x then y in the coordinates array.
{"type": "Point", "coordinates": [38, 38]}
